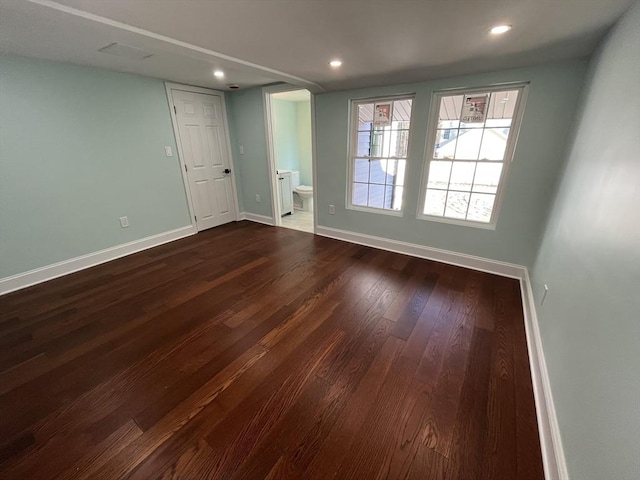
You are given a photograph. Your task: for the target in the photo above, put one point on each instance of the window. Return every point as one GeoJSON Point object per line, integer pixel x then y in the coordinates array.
{"type": "Point", "coordinates": [378, 152]}
{"type": "Point", "coordinates": [472, 136]}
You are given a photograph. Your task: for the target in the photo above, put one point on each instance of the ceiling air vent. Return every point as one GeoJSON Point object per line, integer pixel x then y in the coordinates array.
{"type": "Point", "coordinates": [126, 51]}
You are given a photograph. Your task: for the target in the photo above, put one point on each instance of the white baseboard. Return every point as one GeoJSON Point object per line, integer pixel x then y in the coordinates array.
{"type": "Point", "coordinates": [555, 467]}
{"type": "Point", "coordinates": [49, 272]}
{"type": "Point", "coordinates": [445, 256]}
{"type": "Point", "coordinates": [254, 217]}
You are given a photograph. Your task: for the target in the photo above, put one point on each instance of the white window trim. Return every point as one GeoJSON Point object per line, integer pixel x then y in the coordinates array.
{"type": "Point", "coordinates": [508, 156]}
{"type": "Point", "coordinates": [353, 128]}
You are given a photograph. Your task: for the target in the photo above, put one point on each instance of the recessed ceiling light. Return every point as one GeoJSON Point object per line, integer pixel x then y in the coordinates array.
{"type": "Point", "coordinates": [335, 63]}
{"type": "Point", "coordinates": [218, 73]}
{"type": "Point", "coordinates": [500, 29]}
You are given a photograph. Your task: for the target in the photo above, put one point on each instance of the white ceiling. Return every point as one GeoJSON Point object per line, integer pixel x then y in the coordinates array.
{"type": "Point", "coordinates": [265, 41]}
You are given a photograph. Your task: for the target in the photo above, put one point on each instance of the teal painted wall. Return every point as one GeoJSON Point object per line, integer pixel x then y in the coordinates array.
{"type": "Point", "coordinates": [550, 110]}
{"type": "Point", "coordinates": [303, 116]}
{"type": "Point", "coordinates": [590, 259]}
{"type": "Point", "coordinates": [285, 134]}
{"type": "Point", "coordinates": [245, 111]}
{"type": "Point", "coordinates": [79, 148]}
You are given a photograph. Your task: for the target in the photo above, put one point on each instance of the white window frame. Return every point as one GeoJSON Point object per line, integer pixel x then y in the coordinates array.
{"type": "Point", "coordinates": [353, 146]}
{"type": "Point", "coordinates": [432, 128]}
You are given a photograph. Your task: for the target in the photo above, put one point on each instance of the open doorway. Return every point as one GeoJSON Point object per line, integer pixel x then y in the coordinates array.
{"type": "Point", "coordinates": [289, 130]}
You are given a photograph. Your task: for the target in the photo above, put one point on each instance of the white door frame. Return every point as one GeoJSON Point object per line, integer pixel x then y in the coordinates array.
{"type": "Point", "coordinates": [268, 121]}
{"type": "Point", "coordinates": [183, 167]}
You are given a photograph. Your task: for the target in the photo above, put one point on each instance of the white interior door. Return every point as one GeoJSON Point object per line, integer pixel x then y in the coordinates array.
{"type": "Point", "coordinates": [201, 127]}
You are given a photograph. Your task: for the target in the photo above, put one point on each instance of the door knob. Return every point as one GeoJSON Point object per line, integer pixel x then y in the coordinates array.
{"type": "Point", "coordinates": [226, 170]}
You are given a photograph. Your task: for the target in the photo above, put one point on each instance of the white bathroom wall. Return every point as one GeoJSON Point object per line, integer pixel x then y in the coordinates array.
{"type": "Point", "coordinates": [303, 124]}
{"type": "Point", "coordinates": [285, 134]}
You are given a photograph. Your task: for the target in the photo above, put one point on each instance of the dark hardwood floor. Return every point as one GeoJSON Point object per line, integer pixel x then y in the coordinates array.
{"type": "Point", "coordinates": [251, 352]}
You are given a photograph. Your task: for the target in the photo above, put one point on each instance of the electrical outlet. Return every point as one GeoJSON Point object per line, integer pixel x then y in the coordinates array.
{"type": "Point", "coordinates": [241, 149]}
{"type": "Point", "coordinates": [124, 222]}
{"type": "Point", "coordinates": [258, 198]}
{"type": "Point", "coordinates": [332, 209]}
{"type": "Point", "coordinates": [167, 151]}
{"type": "Point", "coordinates": [544, 295]}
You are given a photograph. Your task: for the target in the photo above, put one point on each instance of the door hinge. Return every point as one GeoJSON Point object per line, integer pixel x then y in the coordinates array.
{"type": "Point", "coordinates": [175, 110]}
{"type": "Point", "coordinates": [185, 168]}
{"type": "Point", "coordinates": [195, 218]}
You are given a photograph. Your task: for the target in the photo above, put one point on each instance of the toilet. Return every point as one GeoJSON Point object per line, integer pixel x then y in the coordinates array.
{"type": "Point", "coordinates": [306, 195]}
{"type": "Point", "coordinates": [302, 194]}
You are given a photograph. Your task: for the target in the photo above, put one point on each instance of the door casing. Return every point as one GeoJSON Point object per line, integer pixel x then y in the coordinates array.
{"type": "Point", "coordinates": [174, 122]}
{"type": "Point", "coordinates": [268, 121]}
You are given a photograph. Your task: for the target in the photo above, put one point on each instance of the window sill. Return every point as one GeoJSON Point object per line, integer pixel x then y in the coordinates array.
{"type": "Point", "coordinates": [382, 211]}
{"type": "Point", "coordinates": [459, 222]}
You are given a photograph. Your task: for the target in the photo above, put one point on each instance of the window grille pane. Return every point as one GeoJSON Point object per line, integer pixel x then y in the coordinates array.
{"type": "Point", "coordinates": [481, 207]}
{"type": "Point", "coordinates": [445, 146]}
{"type": "Point", "coordinates": [474, 110]}
{"type": "Point", "coordinates": [396, 196]}
{"type": "Point", "coordinates": [388, 197]}
{"type": "Point", "coordinates": [376, 143]}
{"type": "Point", "coordinates": [399, 178]}
{"type": "Point", "coordinates": [487, 177]}
{"type": "Point", "coordinates": [391, 171]}
{"type": "Point", "coordinates": [386, 142]}
{"type": "Point", "coordinates": [376, 196]}
{"type": "Point", "coordinates": [457, 203]}
{"type": "Point", "coordinates": [468, 144]}
{"type": "Point", "coordinates": [361, 170]}
{"type": "Point", "coordinates": [377, 171]}
{"type": "Point", "coordinates": [449, 124]}
{"type": "Point", "coordinates": [498, 122]}
{"type": "Point", "coordinates": [402, 113]}
{"type": "Point", "coordinates": [360, 194]}
{"type": "Point", "coordinates": [462, 176]}
{"type": "Point", "coordinates": [435, 202]}
{"type": "Point", "coordinates": [449, 113]}
{"type": "Point", "coordinates": [494, 143]}
{"type": "Point", "coordinates": [439, 173]}
{"type": "Point", "coordinates": [365, 116]}
{"type": "Point", "coordinates": [364, 144]}
{"type": "Point", "coordinates": [399, 142]}
{"type": "Point", "coordinates": [502, 105]}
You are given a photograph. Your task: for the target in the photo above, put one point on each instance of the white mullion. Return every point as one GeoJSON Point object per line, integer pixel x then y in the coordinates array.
{"type": "Point", "coordinates": [446, 198]}
{"type": "Point", "coordinates": [455, 150]}
{"type": "Point", "coordinates": [504, 108]}
{"type": "Point", "coordinates": [475, 168]}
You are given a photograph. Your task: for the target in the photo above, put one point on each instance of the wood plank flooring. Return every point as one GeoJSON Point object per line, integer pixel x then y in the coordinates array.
{"type": "Point", "coordinates": [253, 352]}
